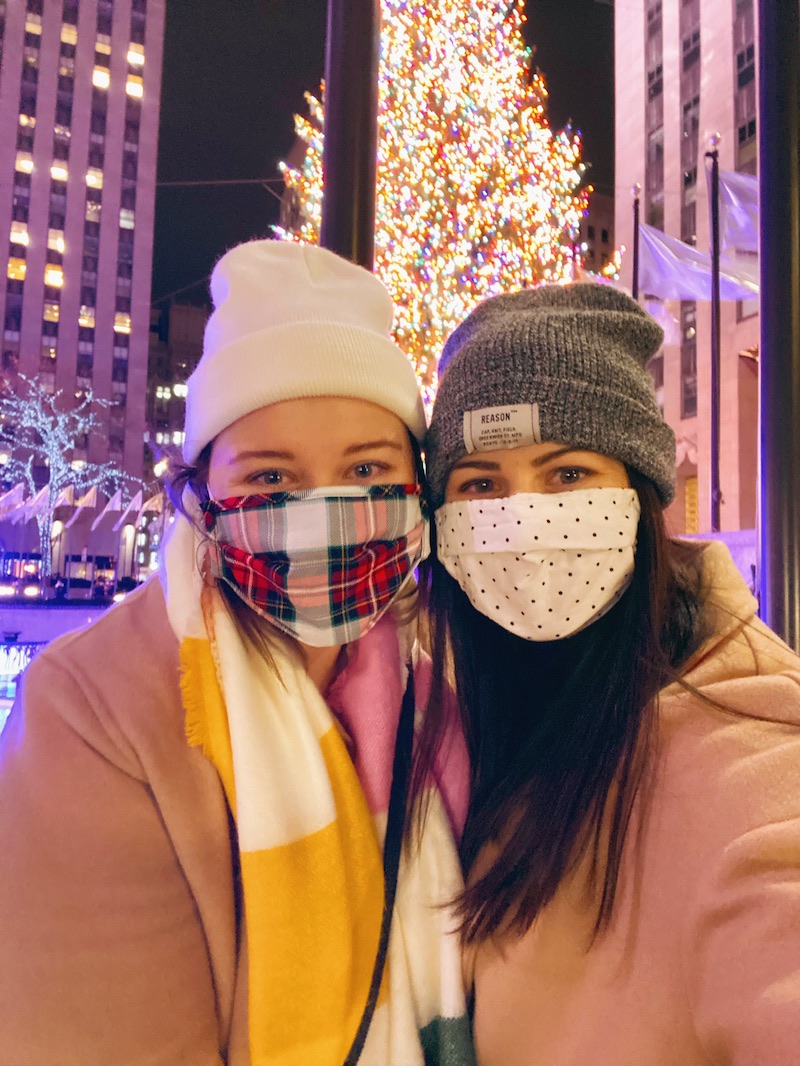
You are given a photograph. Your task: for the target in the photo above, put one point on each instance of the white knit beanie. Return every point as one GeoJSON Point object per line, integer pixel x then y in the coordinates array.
{"type": "Point", "coordinates": [293, 320]}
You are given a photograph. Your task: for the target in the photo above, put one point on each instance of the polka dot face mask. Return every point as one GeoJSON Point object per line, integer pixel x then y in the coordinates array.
{"type": "Point", "coordinates": [542, 565]}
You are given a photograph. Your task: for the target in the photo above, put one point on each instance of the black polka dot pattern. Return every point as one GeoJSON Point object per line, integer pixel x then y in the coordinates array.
{"type": "Point", "coordinates": [542, 565]}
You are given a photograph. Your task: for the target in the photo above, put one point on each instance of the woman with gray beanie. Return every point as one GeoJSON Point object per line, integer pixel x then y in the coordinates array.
{"type": "Point", "coordinates": [632, 845]}
{"type": "Point", "coordinates": [202, 796]}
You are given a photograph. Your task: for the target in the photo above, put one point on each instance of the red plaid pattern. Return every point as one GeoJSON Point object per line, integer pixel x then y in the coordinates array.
{"type": "Point", "coordinates": [321, 567]}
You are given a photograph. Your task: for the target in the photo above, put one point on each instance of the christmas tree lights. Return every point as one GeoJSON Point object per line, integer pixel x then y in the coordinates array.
{"type": "Point", "coordinates": [476, 194]}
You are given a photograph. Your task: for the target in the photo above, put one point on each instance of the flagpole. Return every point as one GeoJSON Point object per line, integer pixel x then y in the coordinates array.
{"type": "Point", "coordinates": [635, 191]}
{"type": "Point", "coordinates": [716, 495]}
{"type": "Point", "coordinates": [779, 378]}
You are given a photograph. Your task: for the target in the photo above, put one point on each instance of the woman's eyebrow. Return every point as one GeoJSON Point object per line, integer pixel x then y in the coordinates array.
{"type": "Point", "coordinates": [239, 457]}
{"type": "Point", "coordinates": [382, 443]}
{"type": "Point", "coordinates": [475, 464]}
{"type": "Point", "coordinates": [557, 454]}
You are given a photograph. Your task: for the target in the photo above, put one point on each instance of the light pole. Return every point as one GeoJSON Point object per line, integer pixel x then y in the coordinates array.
{"type": "Point", "coordinates": [779, 387]}
{"type": "Point", "coordinates": [349, 158]}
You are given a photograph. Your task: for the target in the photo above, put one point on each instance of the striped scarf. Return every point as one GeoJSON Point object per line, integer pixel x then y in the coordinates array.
{"type": "Point", "coordinates": [310, 823]}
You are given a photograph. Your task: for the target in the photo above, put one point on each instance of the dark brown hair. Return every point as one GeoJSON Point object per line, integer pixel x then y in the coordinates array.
{"type": "Point", "coordinates": [559, 733]}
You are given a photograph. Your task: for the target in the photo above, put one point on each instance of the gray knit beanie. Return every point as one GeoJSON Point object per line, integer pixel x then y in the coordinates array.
{"type": "Point", "coordinates": [561, 363]}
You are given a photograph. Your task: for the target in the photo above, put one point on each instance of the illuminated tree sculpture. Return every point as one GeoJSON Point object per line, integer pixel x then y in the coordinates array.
{"type": "Point", "coordinates": [36, 434]}
{"type": "Point", "coordinates": [476, 193]}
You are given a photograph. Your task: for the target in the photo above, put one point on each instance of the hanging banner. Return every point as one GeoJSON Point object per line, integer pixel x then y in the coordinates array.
{"type": "Point", "coordinates": [113, 505]}
{"type": "Point", "coordinates": [672, 270]}
{"type": "Point", "coordinates": [89, 499]}
{"type": "Point", "coordinates": [738, 211]}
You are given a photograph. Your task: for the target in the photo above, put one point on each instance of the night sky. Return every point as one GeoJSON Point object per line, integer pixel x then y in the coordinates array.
{"type": "Point", "coordinates": [234, 75]}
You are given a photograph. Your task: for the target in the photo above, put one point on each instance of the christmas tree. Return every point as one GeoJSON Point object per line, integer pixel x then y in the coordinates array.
{"type": "Point", "coordinates": [476, 194]}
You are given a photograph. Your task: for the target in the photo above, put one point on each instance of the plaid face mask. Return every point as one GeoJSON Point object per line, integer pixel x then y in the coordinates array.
{"type": "Point", "coordinates": [321, 564]}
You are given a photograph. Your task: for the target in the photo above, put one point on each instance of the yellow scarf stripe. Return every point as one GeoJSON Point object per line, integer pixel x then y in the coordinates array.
{"type": "Point", "coordinates": [313, 906]}
{"type": "Point", "coordinates": [204, 706]}
{"type": "Point", "coordinates": [319, 932]}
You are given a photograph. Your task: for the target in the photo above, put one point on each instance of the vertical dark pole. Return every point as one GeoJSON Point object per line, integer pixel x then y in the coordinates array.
{"type": "Point", "coordinates": [779, 421]}
{"type": "Point", "coordinates": [635, 284]}
{"type": "Point", "coordinates": [349, 159]}
{"type": "Point", "coordinates": [716, 495]}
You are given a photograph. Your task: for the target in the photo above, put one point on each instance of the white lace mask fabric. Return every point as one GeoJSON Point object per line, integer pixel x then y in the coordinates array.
{"type": "Point", "coordinates": [542, 565]}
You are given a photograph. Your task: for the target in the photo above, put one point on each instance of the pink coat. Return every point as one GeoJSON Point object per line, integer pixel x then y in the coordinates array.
{"type": "Point", "coordinates": [702, 962]}
{"type": "Point", "coordinates": [119, 934]}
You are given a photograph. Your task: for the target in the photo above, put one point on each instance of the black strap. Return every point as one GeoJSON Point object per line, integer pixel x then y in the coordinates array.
{"type": "Point", "coordinates": [392, 847]}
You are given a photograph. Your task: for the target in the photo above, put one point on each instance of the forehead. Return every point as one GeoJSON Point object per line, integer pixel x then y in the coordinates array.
{"type": "Point", "coordinates": [321, 423]}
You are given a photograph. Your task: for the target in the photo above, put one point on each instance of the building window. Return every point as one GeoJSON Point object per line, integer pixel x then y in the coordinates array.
{"type": "Point", "coordinates": [101, 78]}
{"type": "Point", "coordinates": [690, 505]}
{"type": "Point", "coordinates": [53, 276]}
{"type": "Point", "coordinates": [17, 268]}
{"type": "Point", "coordinates": [92, 211]}
{"type": "Point", "coordinates": [19, 233]}
{"type": "Point", "coordinates": [688, 360]}
{"type": "Point", "coordinates": [134, 86]}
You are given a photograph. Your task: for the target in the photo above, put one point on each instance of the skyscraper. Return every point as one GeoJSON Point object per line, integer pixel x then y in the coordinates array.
{"type": "Point", "coordinates": [80, 87]}
{"type": "Point", "coordinates": [686, 70]}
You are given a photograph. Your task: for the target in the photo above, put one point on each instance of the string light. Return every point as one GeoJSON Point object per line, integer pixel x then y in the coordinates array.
{"type": "Point", "coordinates": [475, 193]}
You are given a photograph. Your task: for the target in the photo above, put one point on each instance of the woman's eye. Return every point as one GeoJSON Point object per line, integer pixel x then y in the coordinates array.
{"type": "Point", "coordinates": [366, 471]}
{"type": "Point", "coordinates": [269, 477]}
{"type": "Point", "coordinates": [477, 486]}
{"type": "Point", "coordinates": [571, 475]}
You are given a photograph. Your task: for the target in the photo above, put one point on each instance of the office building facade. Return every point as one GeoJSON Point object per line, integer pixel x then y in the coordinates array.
{"type": "Point", "coordinates": [80, 85]}
{"type": "Point", "coordinates": [686, 70]}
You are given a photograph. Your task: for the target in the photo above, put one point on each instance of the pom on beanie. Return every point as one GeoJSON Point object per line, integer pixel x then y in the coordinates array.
{"type": "Point", "coordinates": [577, 353]}
{"type": "Point", "coordinates": [294, 320]}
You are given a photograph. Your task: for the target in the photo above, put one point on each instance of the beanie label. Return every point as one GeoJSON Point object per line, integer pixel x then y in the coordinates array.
{"type": "Point", "coordinates": [502, 427]}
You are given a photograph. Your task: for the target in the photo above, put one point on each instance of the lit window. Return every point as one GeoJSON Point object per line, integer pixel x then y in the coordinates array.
{"type": "Point", "coordinates": [33, 23]}
{"type": "Point", "coordinates": [19, 233]}
{"type": "Point", "coordinates": [134, 86]}
{"type": "Point", "coordinates": [136, 55]}
{"type": "Point", "coordinates": [94, 178]}
{"type": "Point", "coordinates": [59, 172]}
{"type": "Point", "coordinates": [126, 218]}
{"type": "Point", "coordinates": [178, 436]}
{"type": "Point", "coordinates": [92, 211]}
{"type": "Point", "coordinates": [51, 311]}
{"type": "Point", "coordinates": [27, 120]}
{"type": "Point", "coordinates": [53, 276]}
{"type": "Point", "coordinates": [62, 131]}
{"type": "Point", "coordinates": [101, 79]}
{"type": "Point", "coordinates": [86, 317]}
{"type": "Point", "coordinates": [55, 241]}
{"type": "Point", "coordinates": [25, 162]}
{"type": "Point", "coordinates": [16, 269]}
{"type": "Point", "coordinates": [69, 34]}
{"type": "Point", "coordinates": [103, 44]}
{"type": "Point", "coordinates": [122, 322]}
{"type": "Point", "coordinates": [180, 389]}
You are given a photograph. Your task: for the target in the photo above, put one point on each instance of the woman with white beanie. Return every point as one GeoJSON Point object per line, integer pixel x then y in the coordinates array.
{"type": "Point", "coordinates": [202, 796]}
{"type": "Point", "coordinates": [632, 846]}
